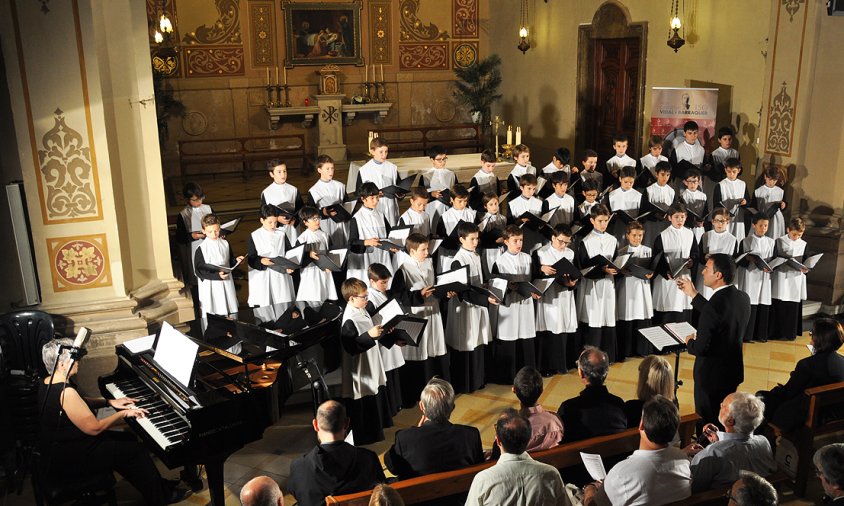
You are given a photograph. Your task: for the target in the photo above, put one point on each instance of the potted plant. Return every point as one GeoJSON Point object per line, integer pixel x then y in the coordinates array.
{"type": "Point", "coordinates": [477, 86]}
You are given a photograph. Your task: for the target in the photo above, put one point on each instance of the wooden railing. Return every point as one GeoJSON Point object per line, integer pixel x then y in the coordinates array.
{"type": "Point", "coordinates": [417, 140]}
{"type": "Point", "coordinates": [240, 154]}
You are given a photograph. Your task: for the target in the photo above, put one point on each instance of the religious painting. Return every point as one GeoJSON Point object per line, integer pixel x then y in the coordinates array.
{"type": "Point", "coordinates": [322, 33]}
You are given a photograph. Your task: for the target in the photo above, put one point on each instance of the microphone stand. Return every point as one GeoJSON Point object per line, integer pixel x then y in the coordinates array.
{"type": "Point", "coordinates": [76, 354]}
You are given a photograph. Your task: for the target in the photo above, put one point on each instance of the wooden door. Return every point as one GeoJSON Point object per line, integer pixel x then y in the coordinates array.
{"type": "Point", "coordinates": [614, 100]}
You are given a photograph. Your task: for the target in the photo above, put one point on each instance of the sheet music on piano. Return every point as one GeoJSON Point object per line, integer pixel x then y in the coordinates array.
{"type": "Point", "coordinates": [175, 353]}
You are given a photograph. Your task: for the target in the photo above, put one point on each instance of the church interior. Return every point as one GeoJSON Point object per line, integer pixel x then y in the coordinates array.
{"type": "Point", "coordinates": [106, 113]}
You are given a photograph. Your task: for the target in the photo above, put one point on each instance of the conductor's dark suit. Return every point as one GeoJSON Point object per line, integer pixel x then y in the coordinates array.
{"type": "Point", "coordinates": [332, 469]}
{"type": "Point", "coordinates": [719, 366]}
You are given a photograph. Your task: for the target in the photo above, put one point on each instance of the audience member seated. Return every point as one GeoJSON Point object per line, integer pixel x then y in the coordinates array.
{"type": "Point", "coordinates": [261, 491]}
{"type": "Point", "coordinates": [74, 443]}
{"type": "Point", "coordinates": [435, 444]}
{"type": "Point", "coordinates": [736, 449]}
{"type": "Point", "coordinates": [595, 412]}
{"type": "Point", "coordinates": [516, 479]}
{"type": "Point", "coordinates": [752, 490]}
{"type": "Point", "coordinates": [786, 405]}
{"type": "Point", "coordinates": [829, 466]}
{"type": "Point", "coordinates": [334, 467]}
{"type": "Point", "coordinates": [546, 429]}
{"type": "Point", "coordinates": [656, 377]}
{"type": "Point", "coordinates": [385, 495]}
{"type": "Point", "coordinates": [657, 473]}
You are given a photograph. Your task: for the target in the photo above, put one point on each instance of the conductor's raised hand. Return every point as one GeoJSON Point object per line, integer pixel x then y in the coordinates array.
{"type": "Point", "coordinates": [375, 332]}
{"type": "Point", "coordinates": [686, 286]}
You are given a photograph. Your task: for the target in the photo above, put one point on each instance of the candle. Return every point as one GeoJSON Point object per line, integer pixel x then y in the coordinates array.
{"type": "Point", "coordinates": [366, 72]}
{"type": "Point", "coordinates": [276, 76]}
{"type": "Point", "coordinates": [518, 135]}
{"type": "Point", "coordinates": [382, 72]}
{"type": "Point", "coordinates": [285, 76]}
{"type": "Point", "coordinates": [268, 76]}
{"type": "Point", "coordinates": [510, 134]}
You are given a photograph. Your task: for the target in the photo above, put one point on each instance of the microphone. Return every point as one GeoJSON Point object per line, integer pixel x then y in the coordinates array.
{"type": "Point", "coordinates": [78, 350]}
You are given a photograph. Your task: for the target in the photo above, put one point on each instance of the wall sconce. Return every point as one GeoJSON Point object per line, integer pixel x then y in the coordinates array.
{"type": "Point", "coordinates": [675, 41]}
{"type": "Point", "coordinates": [164, 57]}
{"type": "Point", "coordinates": [524, 44]}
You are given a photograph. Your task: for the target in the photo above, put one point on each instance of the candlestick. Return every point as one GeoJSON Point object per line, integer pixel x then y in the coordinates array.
{"type": "Point", "coordinates": [276, 77]}
{"type": "Point", "coordinates": [366, 73]}
{"type": "Point", "coordinates": [382, 72]}
{"type": "Point", "coordinates": [518, 135]}
{"type": "Point", "coordinates": [268, 76]}
{"type": "Point", "coordinates": [285, 76]}
{"type": "Point", "coordinates": [509, 134]}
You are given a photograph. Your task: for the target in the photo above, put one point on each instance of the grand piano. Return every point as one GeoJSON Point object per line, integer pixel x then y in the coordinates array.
{"type": "Point", "coordinates": [241, 374]}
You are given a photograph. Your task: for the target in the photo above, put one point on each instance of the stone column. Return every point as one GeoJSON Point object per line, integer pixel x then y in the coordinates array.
{"type": "Point", "coordinates": [331, 126]}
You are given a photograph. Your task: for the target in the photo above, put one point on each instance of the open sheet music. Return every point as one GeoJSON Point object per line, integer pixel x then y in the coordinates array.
{"type": "Point", "coordinates": [392, 316]}
{"type": "Point", "coordinates": [669, 334]}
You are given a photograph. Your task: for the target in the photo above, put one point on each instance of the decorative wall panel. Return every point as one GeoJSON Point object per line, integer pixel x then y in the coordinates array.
{"type": "Point", "coordinates": [381, 45]}
{"type": "Point", "coordinates": [79, 263]}
{"type": "Point", "coordinates": [464, 54]}
{"type": "Point", "coordinates": [465, 19]}
{"type": "Point", "coordinates": [214, 61]}
{"type": "Point", "coordinates": [415, 29]}
{"type": "Point", "coordinates": [262, 34]}
{"type": "Point", "coordinates": [225, 30]}
{"type": "Point", "coordinates": [433, 56]}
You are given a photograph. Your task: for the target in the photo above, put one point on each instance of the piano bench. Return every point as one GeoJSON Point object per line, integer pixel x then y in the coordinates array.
{"type": "Point", "coordinates": [94, 489]}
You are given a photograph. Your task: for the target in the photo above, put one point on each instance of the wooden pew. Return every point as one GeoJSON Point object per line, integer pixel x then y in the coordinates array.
{"type": "Point", "coordinates": [819, 400]}
{"type": "Point", "coordinates": [433, 486]}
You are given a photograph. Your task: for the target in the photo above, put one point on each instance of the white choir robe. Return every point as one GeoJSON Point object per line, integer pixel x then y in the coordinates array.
{"type": "Point", "coordinates": [437, 180]}
{"type": "Point", "coordinates": [490, 254]}
{"type": "Point", "coordinates": [315, 284]}
{"type": "Point", "coordinates": [634, 300]}
{"type": "Point", "coordinates": [787, 284]}
{"type": "Point", "coordinates": [623, 200]}
{"type": "Point", "coordinates": [418, 275]}
{"type": "Point", "coordinates": [674, 244]}
{"type": "Point", "coordinates": [695, 200]}
{"type": "Point", "coordinates": [663, 195]}
{"type": "Point", "coordinates": [516, 318]}
{"type": "Point", "coordinates": [715, 242]}
{"type": "Point", "coordinates": [693, 153]}
{"type": "Point", "coordinates": [732, 190]}
{"type": "Point", "coordinates": [328, 193]}
{"type": "Point", "coordinates": [649, 162]}
{"type": "Point", "coordinates": [486, 182]}
{"type": "Point", "coordinates": [565, 209]}
{"type": "Point", "coordinates": [367, 224]}
{"type": "Point", "coordinates": [765, 197]}
{"type": "Point", "coordinates": [617, 162]}
{"type": "Point", "coordinates": [383, 175]}
{"type": "Point", "coordinates": [596, 297]}
{"type": "Point", "coordinates": [516, 174]}
{"type": "Point", "coordinates": [551, 168]}
{"type": "Point", "coordinates": [270, 292]}
{"type": "Point", "coordinates": [448, 221]}
{"type": "Point", "coordinates": [721, 155]}
{"type": "Point", "coordinates": [363, 373]}
{"type": "Point", "coordinates": [586, 207]}
{"type": "Point", "coordinates": [421, 222]}
{"type": "Point", "coordinates": [216, 296]}
{"type": "Point", "coordinates": [279, 194]}
{"type": "Point", "coordinates": [467, 325]}
{"type": "Point", "coordinates": [391, 357]}
{"type": "Point", "coordinates": [556, 311]}
{"type": "Point", "coordinates": [752, 281]}
{"type": "Point", "coordinates": [192, 219]}
{"type": "Point", "coordinates": [519, 206]}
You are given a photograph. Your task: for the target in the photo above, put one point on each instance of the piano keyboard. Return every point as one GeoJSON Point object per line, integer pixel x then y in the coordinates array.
{"type": "Point", "coordinates": [162, 423]}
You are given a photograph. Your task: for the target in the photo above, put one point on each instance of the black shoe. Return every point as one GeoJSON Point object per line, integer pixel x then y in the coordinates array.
{"type": "Point", "coordinates": [178, 494]}
{"type": "Point", "coordinates": [762, 340]}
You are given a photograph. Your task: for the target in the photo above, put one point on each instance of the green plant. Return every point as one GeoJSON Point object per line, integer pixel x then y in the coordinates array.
{"type": "Point", "coordinates": [166, 107]}
{"type": "Point", "coordinates": [477, 86]}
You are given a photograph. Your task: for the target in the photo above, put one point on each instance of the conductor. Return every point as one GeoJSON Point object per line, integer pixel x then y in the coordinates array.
{"type": "Point", "coordinates": [719, 367]}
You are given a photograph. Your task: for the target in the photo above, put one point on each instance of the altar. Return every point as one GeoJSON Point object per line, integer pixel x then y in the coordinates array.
{"type": "Point", "coordinates": [464, 167]}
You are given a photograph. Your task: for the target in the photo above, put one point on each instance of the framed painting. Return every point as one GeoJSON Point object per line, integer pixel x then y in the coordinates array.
{"type": "Point", "coordinates": [322, 33]}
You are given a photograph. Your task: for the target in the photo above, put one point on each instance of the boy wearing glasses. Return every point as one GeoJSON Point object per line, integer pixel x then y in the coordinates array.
{"type": "Point", "coordinates": [315, 285]}
{"type": "Point", "coordinates": [436, 179]}
{"type": "Point", "coordinates": [363, 376]}
{"type": "Point", "coordinates": [717, 240]}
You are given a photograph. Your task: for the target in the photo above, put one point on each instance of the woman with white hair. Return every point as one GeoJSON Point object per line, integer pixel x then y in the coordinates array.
{"type": "Point", "coordinates": [74, 443]}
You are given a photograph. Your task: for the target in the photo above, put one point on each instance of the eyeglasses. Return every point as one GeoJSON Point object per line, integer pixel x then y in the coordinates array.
{"type": "Point", "coordinates": [443, 159]}
{"type": "Point", "coordinates": [364, 296]}
{"type": "Point", "coordinates": [721, 221]}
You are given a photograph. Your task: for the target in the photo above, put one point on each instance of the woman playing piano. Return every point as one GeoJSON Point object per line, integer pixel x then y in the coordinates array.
{"type": "Point", "coordinates": [74, 443]}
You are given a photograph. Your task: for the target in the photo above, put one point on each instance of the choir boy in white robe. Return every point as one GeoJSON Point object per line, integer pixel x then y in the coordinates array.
{"type": "Point", "coordinates": [189, 235]}
{"type": "Point", "coordinates": [731, 191]}
{"type": "Point", "coordinates": [556, 314]}
{"type": "Point", "coordinates": [413, 287]}
{"type": "Point", "coordinates": [559, 163]}
{"type": "Point", "coordinates": [620, 159]}
{"type": "Point", "coordinates": [589, 172]}
{"type": "Point", "coordinates": [559, 200]}
{"type": "Point", "coordinates": [515, 340]}
{"type": "Point", "coordinates": [634, 301]}
{"type": "Point", "coordinates": [363, 377]}
{"type": "Point", "coordinates": [283, 195]}
{"type": "Point", "coordinates": [216, 288]}
{"type": "Point", "coordinates": [649, 161]}
{"type": "Point", "coordinates": [689, 148]}
{"type": "Point", "coordinates": [722, 153]}
{"type": "Point", "coordinates": [596, 293]}
{"type": "Point", "coordinates": [315, 285]}
{"type": "Point", "coordinates": [521, 154]}
{"type": "Point", "coordinates": [660, 195]}
{"type": "Point", "coordinates": [590, 190]}
{"type": "Point", "coordinates": [437, 179]}
{"type": "Point", "coordinates": [788, 285]}
{"type": "Point", "coordinates": [756, 282]}
{"type": "Point", "coordinates": [695, 201]}
{"type": "Point", "coordinates": [624, 198]}
{"type": "Point", "coordinates": [383, 173]}
{"type": "Point", "coordinates": [491, 225]}
{"type": "Point", "coordinates": [270, 292]}
{"type": "Point", "coordinates": [767, 195]}
{"type": "Point", "coordinates": [416, 216]}
{"type": "Point", "coordinates": [328, 192]}
{"type": "Point", "coordinates": [526, 202]}
{"type": "Point", "coordinates": [468, 330]}
{"type": "Point", "coordinates": [484, 181]}
{"type": "Point", "coordinates": [368, 226]}
{"type": "Point", "coordinates": [717, 240]}
{"type": "Point", "coordinates": [391, 357]}
{"type": "Point", "coordinates": [459, 211]}
{"type": "Point", "coordinates": [676, 244]}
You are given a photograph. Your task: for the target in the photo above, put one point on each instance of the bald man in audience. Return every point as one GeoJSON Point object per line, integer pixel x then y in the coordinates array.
{"type": "Point", "coordinates": [261, 491]}
{"type": "Point", "coordinates": [334, 467]}
{"type": "Point", "coordinates": [752, 490]}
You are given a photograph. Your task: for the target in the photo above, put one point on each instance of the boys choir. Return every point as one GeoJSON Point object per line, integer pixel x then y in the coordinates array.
{"type": "Point", "coordinates": [589, 262]}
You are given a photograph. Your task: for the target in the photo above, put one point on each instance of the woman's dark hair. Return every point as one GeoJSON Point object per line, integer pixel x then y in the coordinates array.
{"type": "Point", "coordinates": [827, 335]}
